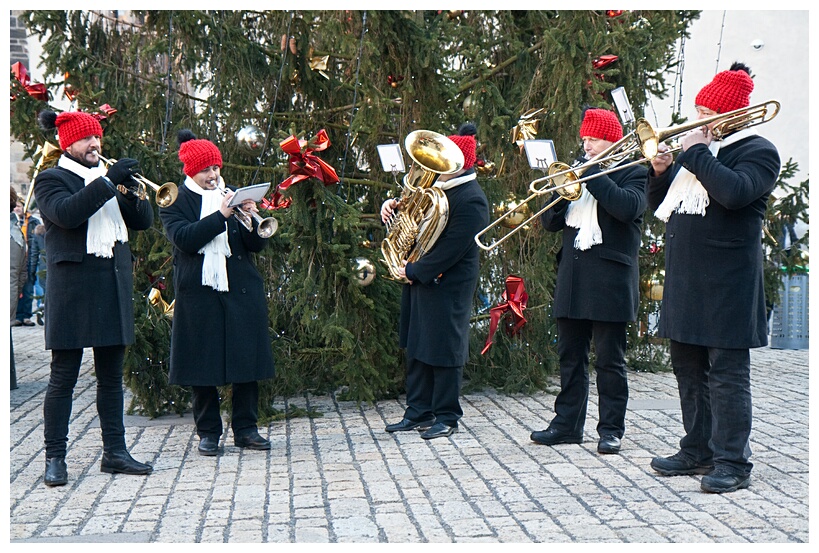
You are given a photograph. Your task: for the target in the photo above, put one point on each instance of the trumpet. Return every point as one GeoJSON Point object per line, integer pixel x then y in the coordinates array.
{"type": "Point", "coordinates": [266, 226]}
{"type": "Point", "coordinates": [165, 194]}
{"type": "Point", "coordinates": [645, 139]}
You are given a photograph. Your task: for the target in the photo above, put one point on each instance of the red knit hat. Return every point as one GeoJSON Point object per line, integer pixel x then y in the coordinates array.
{"type": "Point", "coordinates": [602, 124]}
{"type": "Point", "coordinates": [465, 139]}
{"type": "Point", "coordinates": [196, 154]}
{"type": "Point", "coordinates": [729, 90]}
{"type": "Point", "coordinates": [76, 125]}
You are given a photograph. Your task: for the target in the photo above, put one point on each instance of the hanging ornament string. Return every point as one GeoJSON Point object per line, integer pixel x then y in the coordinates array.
{"type": "Point", "coordinates": [680, 72]}
{"type": "Point", "coordinates": [216, 72]}
{"type": "Point", "coordinates": [719, 44]}
{"type": "Point", "coordinates": [273, 108]}
{"type": "Point", "coordinates": [355, 98]}
{"type": "Point", "coordinates": [168, 100]}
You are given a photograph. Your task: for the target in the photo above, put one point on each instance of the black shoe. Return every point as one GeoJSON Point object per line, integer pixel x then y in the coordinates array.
{"type": "Point", "coordinates": [251, 440]}
{"type": "Point", "coordinates": [679, 465]}
{"type": "Point", "coordinates": [15, 322]}
{"type": "Point", "coordinates": [208, 446]}
{"type": "Point", "coordinates": [121, 462]}
{"type": "Point", "coordinates": [40, 319]}
{"type": "Point", "coordinates": [608, 444]}
{"type": "Point", "coordinates": [550, 436]}
{"type": "Point", "coordinates": [723, 480]}
{"type": "Point", "coordinates": [407, 424]}
{"type": "Point", "coordinates": [439, 430]}
{"type": "Point", "coordinates": [56, 473]}
{"type": "Point", "coordinates": [28, 322]}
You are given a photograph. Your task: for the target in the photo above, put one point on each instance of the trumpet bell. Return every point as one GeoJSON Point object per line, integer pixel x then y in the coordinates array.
{"type": "Point", "coordinates": [166, 194]}
{"type": "Point", "coordinates": [267, 227]}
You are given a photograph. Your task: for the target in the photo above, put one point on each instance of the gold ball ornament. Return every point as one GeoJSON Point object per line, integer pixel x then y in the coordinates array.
{"type": "Point", "coordinates": [250, 139]}
{"type": "Point", "coordinates": [515, 219]}
{"type": "Point", "coordinates": [485, 168]}
{"type": "Point", "coordinates": [652, 286]}
{"type": "Point", "coordinates": [364, 271]}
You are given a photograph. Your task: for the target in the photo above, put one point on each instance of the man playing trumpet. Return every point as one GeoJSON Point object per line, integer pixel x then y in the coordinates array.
{"type": "Point", "coordinates": [89, 301]}
{"type": "Point", "coordinates": [220, 327]}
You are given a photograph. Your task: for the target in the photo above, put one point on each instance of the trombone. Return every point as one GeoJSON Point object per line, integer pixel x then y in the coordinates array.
{"type": "Point", "coordinates": [165, 194]}
{"type": "Point", "coordinates": [266, 227]}
{"type": "Point", "coordinates": [644, 139]}
{"type": "Point", "coordinates": [566, 182]}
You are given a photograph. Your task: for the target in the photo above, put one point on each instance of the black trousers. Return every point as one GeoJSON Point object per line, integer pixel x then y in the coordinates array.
{"type": "Point", "coordinates": [65, 368]}
{"type": "Point", "coordinates": [715, 399]}
{"type": "Point", "coordinates": [245, 413]}
{"type": "Point", "coordinates": [433, 392]}
{"type": "Point", "coordinates": [574, 340]}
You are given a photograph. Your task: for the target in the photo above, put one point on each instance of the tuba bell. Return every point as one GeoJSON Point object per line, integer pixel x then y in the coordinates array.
{"type": "Point", "coordinates": [423, 209]}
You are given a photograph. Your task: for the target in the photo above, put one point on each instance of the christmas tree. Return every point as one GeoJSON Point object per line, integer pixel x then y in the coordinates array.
{"type": "Point", "coordinates": [277, 90]}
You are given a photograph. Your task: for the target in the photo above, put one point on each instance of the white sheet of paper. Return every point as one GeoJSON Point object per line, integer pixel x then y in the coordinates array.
{"type": "Point", "coordinates": [255, 193]}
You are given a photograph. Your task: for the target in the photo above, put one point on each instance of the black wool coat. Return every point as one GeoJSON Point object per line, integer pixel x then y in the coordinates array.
{"type": "Point", "coordinates": [714, 294]}
{"type": "Point", "coordinates": [216, 337]}
{"type": "Point", "coordinates": [603, 282]}
{"type": "Point", "coordinates": [435, 310]}
{"type": "Point", "coordinates": [89, 300]}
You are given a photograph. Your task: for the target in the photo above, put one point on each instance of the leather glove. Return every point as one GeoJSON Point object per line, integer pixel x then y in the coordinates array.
{"type": "Point", "coordinates": [122, 170]}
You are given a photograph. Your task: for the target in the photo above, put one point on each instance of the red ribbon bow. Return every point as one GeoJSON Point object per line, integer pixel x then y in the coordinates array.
{"type": "Point", "coordinates": [513, 300]}
{"type": "Point", "coordinates": [276, 201]}
{"type": "Point", "coordinates": [37, 90]}
{"type": "Point", "coordinates": [304, 164]}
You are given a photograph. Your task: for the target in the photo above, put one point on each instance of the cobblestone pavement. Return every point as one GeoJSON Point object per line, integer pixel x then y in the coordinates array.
{"type": "Point", "coordinates": [341, 478]}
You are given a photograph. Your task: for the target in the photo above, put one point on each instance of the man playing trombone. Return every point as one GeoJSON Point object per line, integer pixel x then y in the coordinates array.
{"type": "Point", "coordinates": [597, 290]}
{"type": "Point", "coordinates": [87, 212]}
{"type": "Point", "coordinates": [713, 199]}
{"type": "Point", "coordinates": [220, 327]}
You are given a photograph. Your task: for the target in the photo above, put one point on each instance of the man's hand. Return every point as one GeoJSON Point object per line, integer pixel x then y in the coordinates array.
{"type": "Point", "coordinates": [697, 136]}
{"type": "Point", "coordinates": [662, 161]}
{"type": "Point", "coordinates": [388, 208]}
{"type": "Point", "coordinates": [122, 170]}
{"type": "Point", "coordinates": [225, 208]}
{"type": "Point", "coordinates": [402, 270]}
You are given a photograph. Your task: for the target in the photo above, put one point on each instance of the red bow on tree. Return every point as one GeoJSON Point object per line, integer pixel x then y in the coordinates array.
{"type": "Point", "coordinates": [276, 201]}
{"type": "Point", "coordinates": [603, 61]}
{"type": "Point", "coordinates": [37, 90]}
{"type": "Point", "coordinates": [105, 111]}
{"type": "Point", "coordinates": [304, 164]}
{"type": "Point", "coordinates": [513, 301]}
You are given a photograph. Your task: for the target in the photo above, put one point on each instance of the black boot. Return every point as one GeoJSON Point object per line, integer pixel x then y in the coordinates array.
{"type": "Point", "coordinates": [114, 462]}
{"type": "Point", "coordinates": [56, 473]}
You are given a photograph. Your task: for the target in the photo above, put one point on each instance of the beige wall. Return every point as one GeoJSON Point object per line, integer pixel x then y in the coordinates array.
{"type": "Point", "coordinates": [780, 69]}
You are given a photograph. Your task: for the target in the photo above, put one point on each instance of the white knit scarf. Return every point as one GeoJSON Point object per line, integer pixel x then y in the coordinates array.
{"type": "Point", "coordinates": [105, 226]}
{"type": "Point", "coordinates": [582, 215]}
{"type": "Point", "coordinates": [686, 193]}
{"type": "Point", "coordinates": [453, 182]}
{"type": "Point", "coordinates": [214, 267]}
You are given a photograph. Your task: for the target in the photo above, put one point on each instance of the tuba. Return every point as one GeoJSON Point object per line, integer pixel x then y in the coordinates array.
{"type": "Point", "coordinates": [424, 209]}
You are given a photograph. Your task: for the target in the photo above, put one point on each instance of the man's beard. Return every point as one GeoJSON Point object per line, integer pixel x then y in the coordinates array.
{"type": "Point", "coordinates": [83, 160]}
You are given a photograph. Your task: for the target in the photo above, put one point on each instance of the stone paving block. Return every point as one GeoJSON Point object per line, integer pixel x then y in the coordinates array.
{"type": "Point", "coordinates": [341, 479]}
